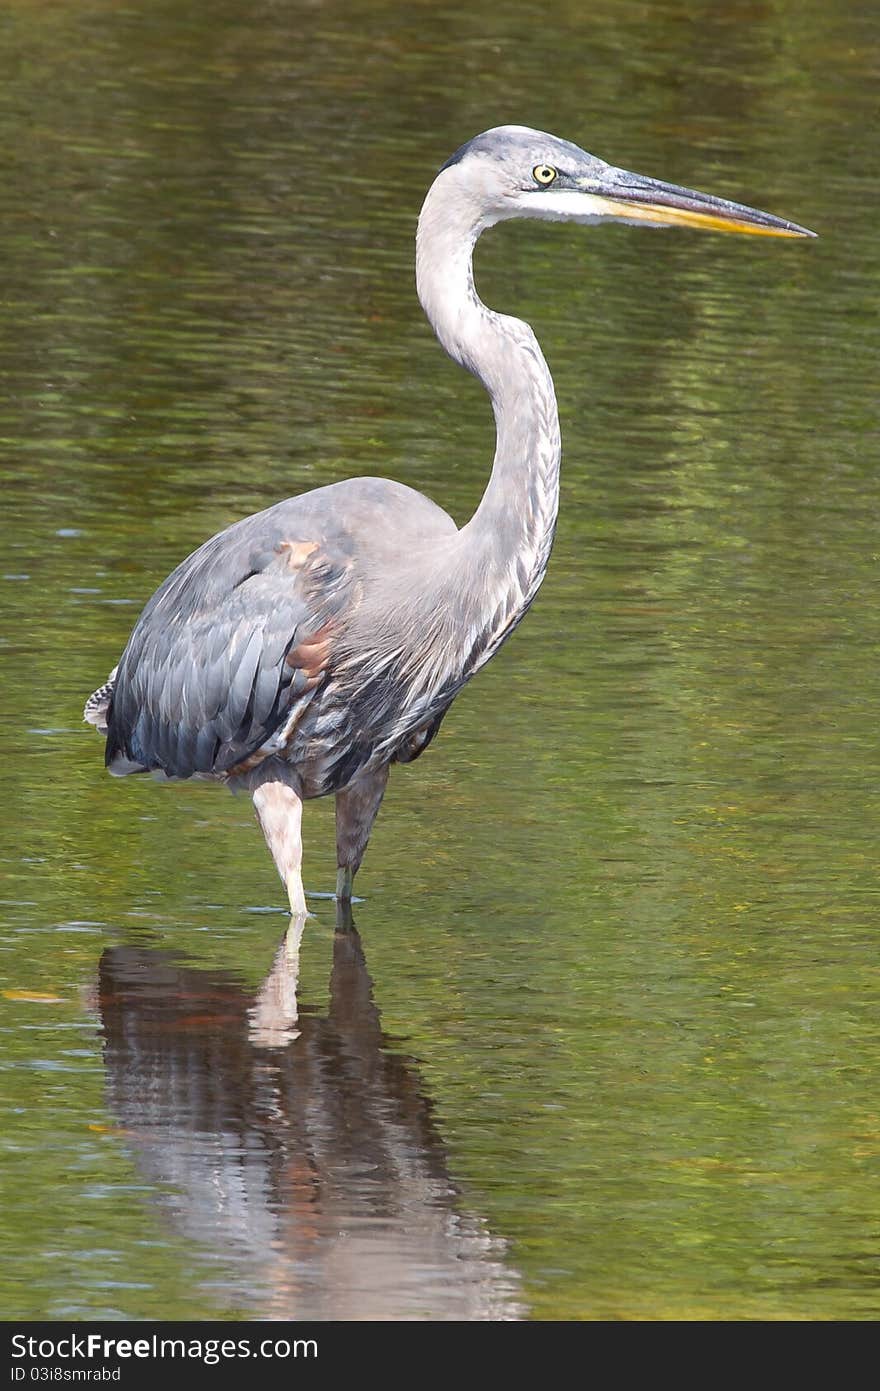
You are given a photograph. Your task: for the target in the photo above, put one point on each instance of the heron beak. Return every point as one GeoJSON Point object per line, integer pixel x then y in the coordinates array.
{"type": "Point", "coordinates": [634, 198]}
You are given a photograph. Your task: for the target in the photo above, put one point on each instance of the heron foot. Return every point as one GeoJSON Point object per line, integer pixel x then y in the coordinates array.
{"type": "Point", "coordinates": [344, 880]}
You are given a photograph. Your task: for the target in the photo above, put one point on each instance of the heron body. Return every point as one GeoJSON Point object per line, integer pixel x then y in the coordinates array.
{"type": "Point", "coordinates": [305, 649]}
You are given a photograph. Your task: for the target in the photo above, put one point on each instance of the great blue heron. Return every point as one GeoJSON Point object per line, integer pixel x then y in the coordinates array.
{"type": "Point", "coordinates": [305, 649]}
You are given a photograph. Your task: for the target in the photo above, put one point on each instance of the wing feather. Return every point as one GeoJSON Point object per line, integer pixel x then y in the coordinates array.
{"type": "Point", "coordinates": [222, 652]}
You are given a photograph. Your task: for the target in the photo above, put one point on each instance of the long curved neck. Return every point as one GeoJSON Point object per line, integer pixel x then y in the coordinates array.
{"type": "Point", "coordinates": [510, 535]}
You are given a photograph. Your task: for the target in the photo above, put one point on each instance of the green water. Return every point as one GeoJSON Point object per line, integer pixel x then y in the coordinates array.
{"type": "Point", "coordinates": [612, 1050]}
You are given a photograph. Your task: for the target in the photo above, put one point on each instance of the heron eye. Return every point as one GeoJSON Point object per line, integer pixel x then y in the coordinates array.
{"type": "Point", "coordinates": [543, 174]}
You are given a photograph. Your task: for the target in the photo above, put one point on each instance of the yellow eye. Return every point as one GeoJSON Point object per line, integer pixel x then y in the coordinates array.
{"type": "Point", "coordinates": [543, 174]}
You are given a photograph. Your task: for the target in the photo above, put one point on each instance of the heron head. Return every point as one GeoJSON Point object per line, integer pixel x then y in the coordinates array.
{"type": "Point", "coordinates": [512, 171]}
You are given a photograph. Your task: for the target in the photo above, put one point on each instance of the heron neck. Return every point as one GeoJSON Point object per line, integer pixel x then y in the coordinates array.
{"type": "Point", "coordinates": [510, 534]}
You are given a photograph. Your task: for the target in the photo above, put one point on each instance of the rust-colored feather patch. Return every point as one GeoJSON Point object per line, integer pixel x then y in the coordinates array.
{"type": "Point", "coordinates": [309, 661]}
{"type": "Point", "coordinates": [312, 655]}
{"type": "Point", "coordinates": [296, 553]}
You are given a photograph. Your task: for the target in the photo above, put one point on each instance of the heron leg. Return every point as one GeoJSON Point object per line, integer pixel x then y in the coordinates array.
{"type": "Point", "coordinates": [356, 808]}
{"type": "Point", "coordinates": [277, 797]}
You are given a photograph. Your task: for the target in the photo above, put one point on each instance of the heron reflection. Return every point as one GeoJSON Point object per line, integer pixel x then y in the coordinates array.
{"type": "Point", "coordinates": [294, 1148]}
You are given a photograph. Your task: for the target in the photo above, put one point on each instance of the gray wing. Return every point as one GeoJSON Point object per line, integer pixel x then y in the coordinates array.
{"type": "Point", "coordinates": [227, 648]}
